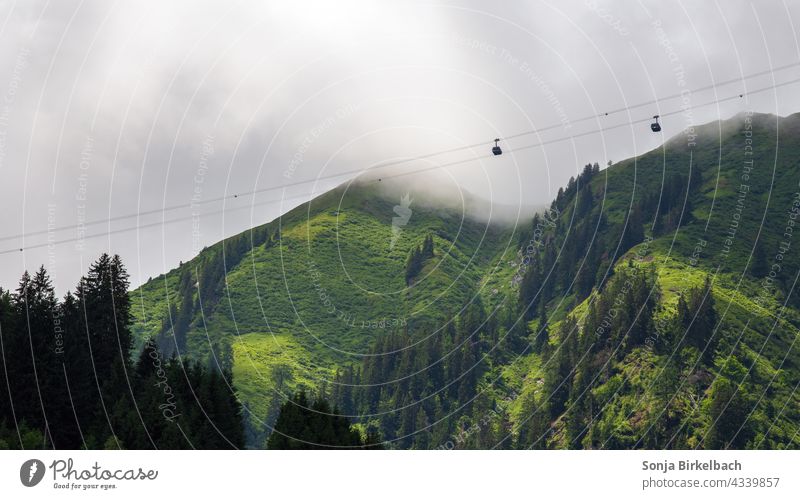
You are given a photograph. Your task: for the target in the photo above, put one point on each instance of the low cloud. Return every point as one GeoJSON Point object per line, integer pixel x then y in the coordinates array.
{"type": "Point", "coordinates": [147, 83]}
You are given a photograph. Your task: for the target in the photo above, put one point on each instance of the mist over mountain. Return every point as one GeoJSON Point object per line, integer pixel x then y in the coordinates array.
{"type": "Point", "coordinates": [650, 305]}
{"type": "Point", "coordinates": [128, 126]}
{"type": "Point", "coordinates": [403, 226]}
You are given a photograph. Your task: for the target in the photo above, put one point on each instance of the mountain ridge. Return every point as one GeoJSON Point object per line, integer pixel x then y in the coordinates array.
{"type": "Point", "coordinates": [312, 289]}
{"type": "Point", "coordinates": [667, 213]}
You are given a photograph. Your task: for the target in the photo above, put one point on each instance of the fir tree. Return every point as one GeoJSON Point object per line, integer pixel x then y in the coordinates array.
{"type": "Point", "coordinates": [759, 267]}
{"type": "Point", "coordinates": [542, 337]}
{"type": "Point", "coordinates": [302, 425]}
{"type": "Point", "coordinates": [697, 319]}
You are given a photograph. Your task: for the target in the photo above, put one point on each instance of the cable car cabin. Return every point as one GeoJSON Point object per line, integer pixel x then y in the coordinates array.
{"type": "Point", "coordinates": [655, 126]}
{"type": "Point", "coordinates": [496, 149]}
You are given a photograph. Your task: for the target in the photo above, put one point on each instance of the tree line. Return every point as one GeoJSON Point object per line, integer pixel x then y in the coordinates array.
{"type": "Point", "coordinates": [71, 377]}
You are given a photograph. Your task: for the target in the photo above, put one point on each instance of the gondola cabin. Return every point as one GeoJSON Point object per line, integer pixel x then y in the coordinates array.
{"type": "Point", "coordinates": [496, 149]}
{"type": "Point", "coordinates": [655, 126]}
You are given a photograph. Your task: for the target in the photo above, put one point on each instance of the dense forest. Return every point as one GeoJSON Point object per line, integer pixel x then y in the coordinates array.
{"type": "Point", "coordinates": [72, 378]}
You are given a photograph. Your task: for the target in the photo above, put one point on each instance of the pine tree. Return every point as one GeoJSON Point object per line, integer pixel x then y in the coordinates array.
{"type": "Point", "coordinates": [315, 426]}
{"type": "Point", "coordinates": [413, 265]}
{"type": "Point", "coordinates": [560, 371]}
{"type": "Point", "coordinates": [185, 313]}
{"type": "Point", "coordinates": [530, 290]}
{"type": "Point", "coordinates": [584, 282]}
{"type": "Point", "coordinates": [422, 438]}
{"type": "Point", "coordinates": [584, 203]}
{"type": "Point", "coordinates": [634, 231]}
{"type": "Point", "coordinates": [729, 409]}
{"type": "Point", "coordinates": [579, 415]}
{"type": "Point", "coordinates": [427, 248]}
{"type": "Point", "coordinates": [7, 340]}
{"type": "Point", "coordinates": [697, 319]}
{"type": "Point", "coordinates": [542, 337]}
{"type": "Point", "coordinates": [79, 372]}
{"type": "Point", "coordinates": [105, 318]}
{"type": "Point", "coordinates": [759, 267]}
{"type": "Point", "coordinates": [34, 376]}
{"type": "Point", "coordinates": [534, 425]}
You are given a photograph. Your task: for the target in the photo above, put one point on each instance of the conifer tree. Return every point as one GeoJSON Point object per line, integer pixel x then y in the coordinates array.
{"type": "Point", "coordinates": [560, 371]}
{"type": "Point", "coordinates": [530, 288]}
{"type": "Point", "coordinates": [427, 248]}
{"type": "Point", "coordinates": [302, 425]}
{"type": "Point", "coordinates": [542, 337]}
{"type": "Point", "coordinates": [697, 319]}
{"type": "Point", "coordinates": [413, 265]}
{"type": "Point", "coordinates": [759, 266]}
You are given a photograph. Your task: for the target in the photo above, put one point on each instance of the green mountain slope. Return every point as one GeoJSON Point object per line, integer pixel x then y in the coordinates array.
{"type": "Point", "coordinates": [722, 209]}
{"type": "Point", "coordinates": [652, 305]}
{"type": "Point", "coordinates": [288, 302]}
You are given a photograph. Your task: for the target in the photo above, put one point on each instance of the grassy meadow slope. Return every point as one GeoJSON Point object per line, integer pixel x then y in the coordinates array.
{"type": "Point", "coordinates": [312, 290]}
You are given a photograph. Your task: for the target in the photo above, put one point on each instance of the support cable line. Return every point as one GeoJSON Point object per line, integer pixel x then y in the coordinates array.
{"type": "Point", "coordinates": [403, 161]}
{"type": "Point", "coordinates": [147, 225]}
{"type": "Point", "coordinates": [377, 167]}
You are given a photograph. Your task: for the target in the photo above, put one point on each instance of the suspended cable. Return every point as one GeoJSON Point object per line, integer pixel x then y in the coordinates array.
{"type": "Point", "coordinates": [372, 168]}
{"type": "Point", "coordinates": [398, 162]}
{"type": "Point", "coordinates": [148, 225]}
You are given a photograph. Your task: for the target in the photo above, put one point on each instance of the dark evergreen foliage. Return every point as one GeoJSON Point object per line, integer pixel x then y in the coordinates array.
{"type": "Point", "coordinates": [303, 425]}
{"type": "Point", "coordinates": [698, 319]}
{"type": "Point", "coordinates": [73, 384]}
{"type": "Point", "coordinates": [417, 258]}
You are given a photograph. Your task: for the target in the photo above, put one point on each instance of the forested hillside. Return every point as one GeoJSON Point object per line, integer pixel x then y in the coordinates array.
{"type": "Point", "coordinates": [652, 305]}
{"type": "Point", "coordinates": [299, 302]}
{"type": "Point", "coordinates": [681, 266]}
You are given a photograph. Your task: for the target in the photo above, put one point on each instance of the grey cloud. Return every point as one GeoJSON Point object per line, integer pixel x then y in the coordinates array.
{"type": "Point", "coordinates": [128, 102]}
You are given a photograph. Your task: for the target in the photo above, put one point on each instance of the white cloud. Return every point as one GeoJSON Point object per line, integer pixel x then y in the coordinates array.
{"type": "Point", "coordinates": [137, 88]}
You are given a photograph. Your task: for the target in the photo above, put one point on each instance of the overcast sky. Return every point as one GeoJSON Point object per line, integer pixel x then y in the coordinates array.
{"type": "Point", "coordinates": [112, 108]}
